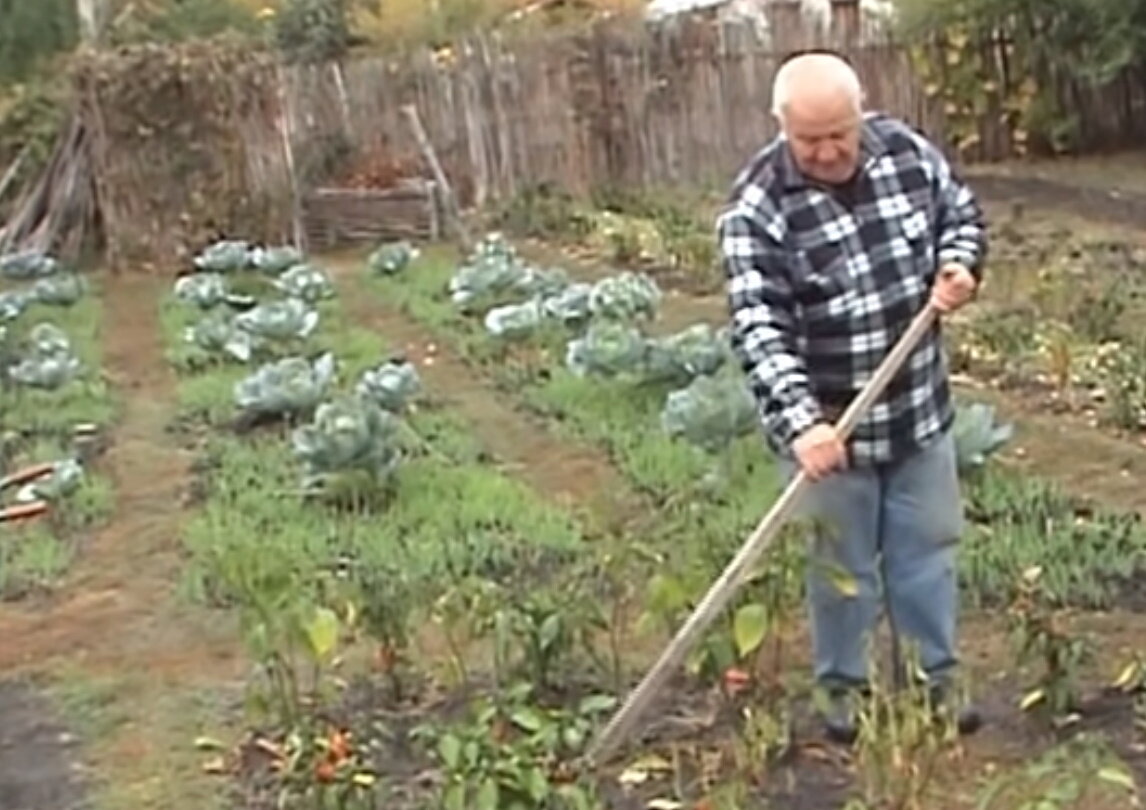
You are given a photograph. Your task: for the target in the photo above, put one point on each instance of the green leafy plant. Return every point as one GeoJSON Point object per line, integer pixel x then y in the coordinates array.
{"type": "Point", "coordinates": [509, 753]}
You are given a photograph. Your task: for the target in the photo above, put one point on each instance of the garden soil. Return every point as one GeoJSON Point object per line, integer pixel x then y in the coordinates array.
{"type": "Point", "coordinates": [39, 763]}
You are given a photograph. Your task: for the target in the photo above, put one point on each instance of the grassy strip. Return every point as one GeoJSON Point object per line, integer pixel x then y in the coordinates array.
{"type": "Point", "coordinates": [39, 426]}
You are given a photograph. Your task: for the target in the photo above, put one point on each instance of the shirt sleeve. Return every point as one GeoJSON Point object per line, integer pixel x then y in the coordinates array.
{"type": "Point", "coordinates": [763, 333]}
{"type": "Point", "coordinates": [961, 226]}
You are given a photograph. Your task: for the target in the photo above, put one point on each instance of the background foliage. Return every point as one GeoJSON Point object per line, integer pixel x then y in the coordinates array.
{"type": "Point", "coordinates": [1016, 58]}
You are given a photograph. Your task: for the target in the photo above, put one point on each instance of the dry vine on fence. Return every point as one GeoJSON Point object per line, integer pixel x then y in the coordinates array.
{"type": "Point", "coordinates": [180, 140]}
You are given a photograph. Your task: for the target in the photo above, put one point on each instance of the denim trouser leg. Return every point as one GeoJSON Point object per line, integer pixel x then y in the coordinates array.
{"type": "Point", "coordinates": [846, 510]}
{"type": "Point", "coordinates": [906, 517]}
{"type": "Point", "coordinates": [921, 524]}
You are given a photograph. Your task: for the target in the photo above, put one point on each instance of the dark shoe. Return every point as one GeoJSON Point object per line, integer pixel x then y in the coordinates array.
{"type": "Point", "coordinates": [968, 720]}
{"type": "Point", "coordinates": [839, 716]}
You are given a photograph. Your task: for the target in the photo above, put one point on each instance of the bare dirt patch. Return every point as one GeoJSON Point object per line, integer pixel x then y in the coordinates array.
{"type": "Point", "coordinates": [40, 766]}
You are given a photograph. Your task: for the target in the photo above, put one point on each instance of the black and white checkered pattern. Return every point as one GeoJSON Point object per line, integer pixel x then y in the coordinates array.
{"type": "Point", "coordinates": [821, 283]}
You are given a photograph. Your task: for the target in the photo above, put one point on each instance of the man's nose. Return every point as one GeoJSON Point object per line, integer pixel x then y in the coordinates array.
{"type": "Point", "coordinates": [827, 153]}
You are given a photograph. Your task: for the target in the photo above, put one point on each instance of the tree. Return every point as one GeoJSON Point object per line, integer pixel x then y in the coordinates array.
{"type": "Point", "coordinates": [33, 31]}
{"type": "Point", "coordinates": [311, 31]}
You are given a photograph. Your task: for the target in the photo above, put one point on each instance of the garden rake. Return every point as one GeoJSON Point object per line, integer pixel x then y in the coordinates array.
{"type": "Point", "coordinates": [722, 591]}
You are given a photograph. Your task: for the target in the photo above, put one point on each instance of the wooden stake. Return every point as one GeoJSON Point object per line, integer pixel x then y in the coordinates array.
{"type": "Point", "coordinates": [455, 214]}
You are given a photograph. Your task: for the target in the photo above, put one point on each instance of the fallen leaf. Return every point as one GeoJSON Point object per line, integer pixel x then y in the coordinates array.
{"type": "Point", "coordinates": [1031, 699]}
{"type": "Point", "coordinates": [1127, 675]}
{"type": "Point", "coordinates": [208, 744]}
{"type": "Point", "coordinates": [1118, 777]}
{"type": "Point", "coordinates": [268, 747]}
{"type": "Point", "coordinates": [816, 751]}
{"type": "Point", "coordinates": [215, 765]}
{"type": "Point", "coordinates": [639, 772]}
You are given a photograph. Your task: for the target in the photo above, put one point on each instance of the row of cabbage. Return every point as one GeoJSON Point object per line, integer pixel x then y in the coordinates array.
{"type": "Point", "coordinates": [41, 358]}
{"type": "Point", "coordinates": [708, 404]}
{"type": "Point", "coordinates": [268, 326]}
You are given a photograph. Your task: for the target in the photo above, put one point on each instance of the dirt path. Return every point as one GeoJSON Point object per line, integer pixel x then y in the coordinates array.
{"type": "Point", "coordinates": [1091, 202]}
{"type": "Point", "coordinates": [115, 620]}
{"type": "Point", "coordinates": [39, 767]}
{"type": "Point", "coordinates": [566, 472]}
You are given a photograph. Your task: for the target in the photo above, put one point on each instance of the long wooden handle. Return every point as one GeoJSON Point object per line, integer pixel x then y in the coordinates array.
{"type": "Point", "coordinates": [722, 591]}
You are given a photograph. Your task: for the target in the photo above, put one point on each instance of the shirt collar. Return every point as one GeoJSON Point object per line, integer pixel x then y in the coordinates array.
{"type": "Point", "coordinates": [872, 146]}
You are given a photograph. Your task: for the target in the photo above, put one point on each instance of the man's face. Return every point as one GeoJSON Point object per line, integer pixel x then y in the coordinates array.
{"type": "Point", "coordinates": [824, 136]}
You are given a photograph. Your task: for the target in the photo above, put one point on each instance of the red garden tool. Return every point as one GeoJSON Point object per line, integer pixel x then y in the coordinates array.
{"type": "Point", "coordinates": [722, 591]}
{"type": "Point", "coordinates": [31, 509]}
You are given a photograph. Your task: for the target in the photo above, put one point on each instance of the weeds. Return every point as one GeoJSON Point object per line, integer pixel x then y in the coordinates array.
{"type": "Point", "coordinates": [1043, 636]}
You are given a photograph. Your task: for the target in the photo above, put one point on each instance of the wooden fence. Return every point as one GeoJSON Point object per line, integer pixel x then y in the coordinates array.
{"type": "Point", "coordinates": [635, 106]}
{"type": "Point", "coordinates": [616, 104]}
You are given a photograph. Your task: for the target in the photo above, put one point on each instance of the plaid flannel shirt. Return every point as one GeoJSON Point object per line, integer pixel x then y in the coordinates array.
{"type": "Point", "coordinates": [822, 283]}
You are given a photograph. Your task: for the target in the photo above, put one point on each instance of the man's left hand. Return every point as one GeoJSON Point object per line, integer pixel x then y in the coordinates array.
{"type": "Point", "coordinates": [954, 287]}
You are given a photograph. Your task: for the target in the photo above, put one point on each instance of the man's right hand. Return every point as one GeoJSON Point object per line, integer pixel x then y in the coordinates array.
{"type": "Point", "coordinates": [820, 451]}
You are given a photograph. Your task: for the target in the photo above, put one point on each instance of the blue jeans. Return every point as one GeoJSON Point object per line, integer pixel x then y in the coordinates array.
{"type": "Point", "coordinates": [897, 525]}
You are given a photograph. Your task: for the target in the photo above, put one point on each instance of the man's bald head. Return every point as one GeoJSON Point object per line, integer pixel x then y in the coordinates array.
{"type": "Point", "coordinates": [818, 100]}
{"type": "Point", "coordinates": [815, 79]}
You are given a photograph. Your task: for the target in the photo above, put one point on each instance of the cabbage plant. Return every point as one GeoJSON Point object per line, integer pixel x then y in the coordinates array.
{"type": "Point", "coordinates": [285, 319]}
{"type": "Point", "coordinates": [276, 260]}
{"type": "Point", "coordinates": [225, 256]}
{"type": "Point", "coordinates": [287, 387]}
{"type": "Point", "coordinates": [391, 386]}
{"type": "Point", "coordinates": [63, 480]}
{"type": "Point", "coordinates": [48, 362]}
{"type": "Point", "coordinates": [204, 290]}
{"type": "Point", "coordinates": [13, 303]}
{"type": "Point", "coordinates": [217, 333]}
{"type": "Point", "coordinates": [571, 304]}
{"type": "Point", "coordinates": [625, 297]}
{"type": "Point", "coordinates": [28, 265]}
{"type": "Point", "coordinates": [392, 257]}
{"type": "Point", "coordinates": [305, 282]}
{"type": "Point", "coordinates": [516, 320]}
{"type": "Point", "coordinates": [695, 350]}
{"type": "Point", "coordinates": [607, 349]}
{"type": "Point", "coordinates": [712, 411]}
{"type": "Point", "coordinates": [349, 434]}
{"type": "Point", "coordinates": [978, 435]}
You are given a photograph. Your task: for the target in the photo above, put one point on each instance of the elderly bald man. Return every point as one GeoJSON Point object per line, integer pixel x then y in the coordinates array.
{"type": "Point", "coordinates": [836, 234]}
